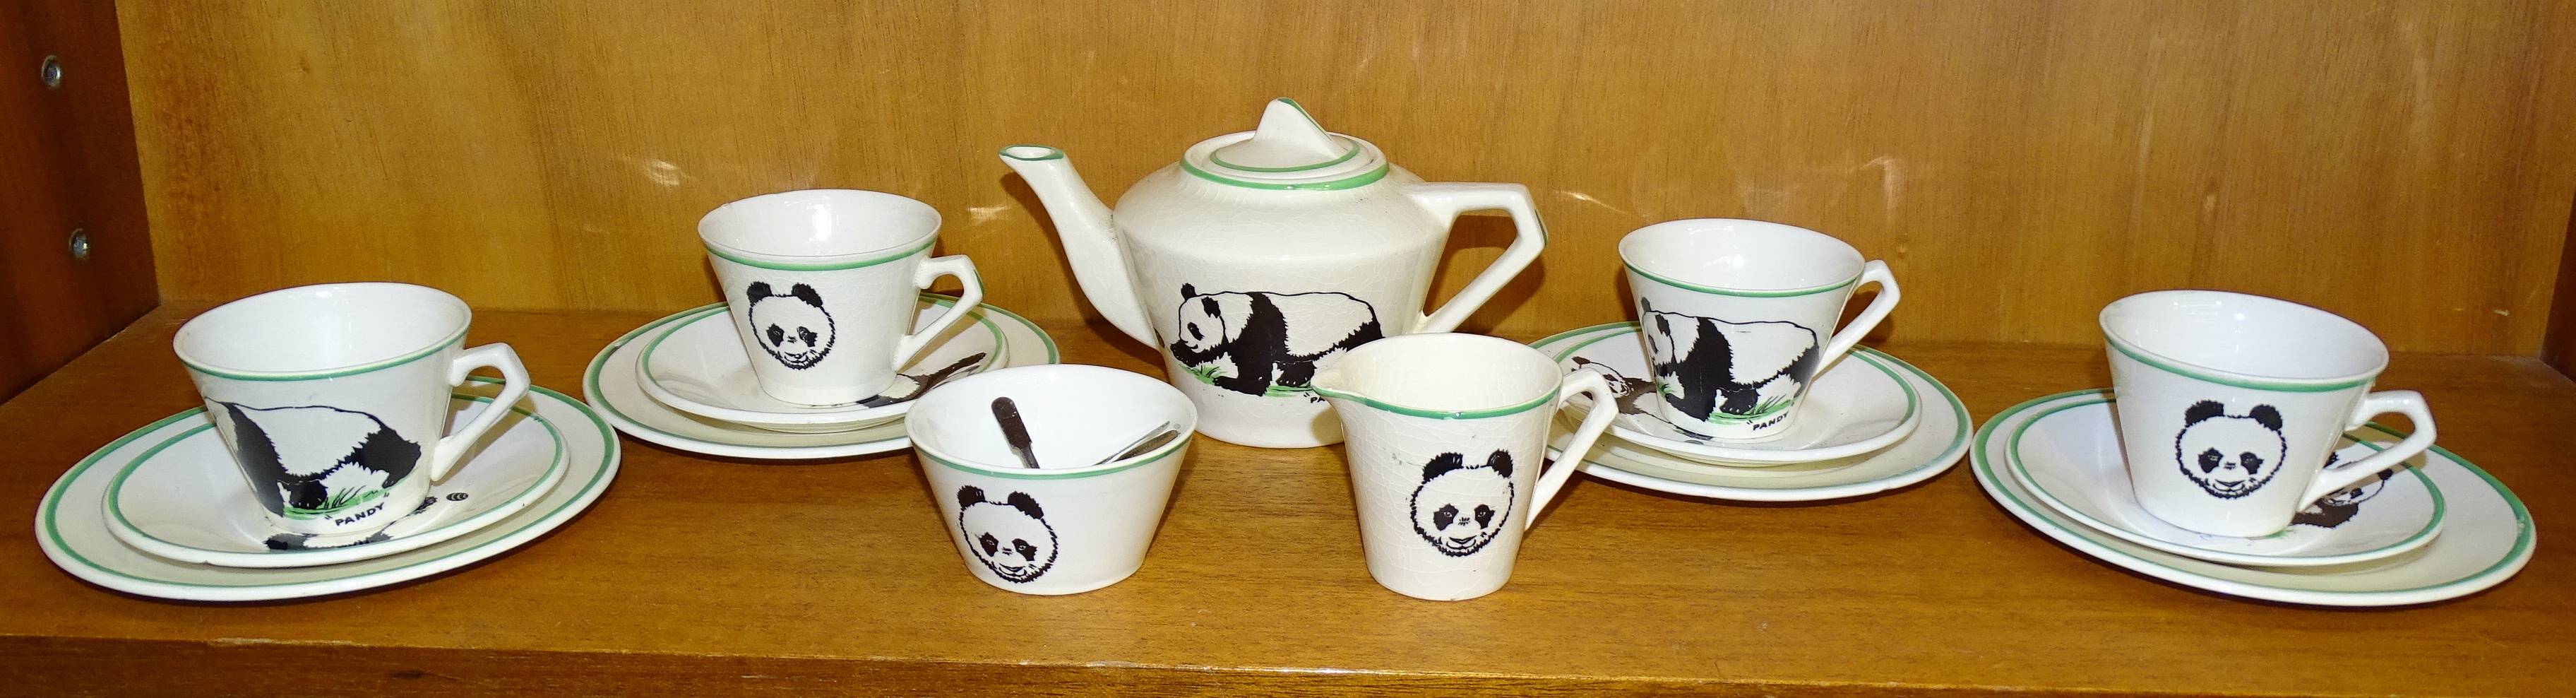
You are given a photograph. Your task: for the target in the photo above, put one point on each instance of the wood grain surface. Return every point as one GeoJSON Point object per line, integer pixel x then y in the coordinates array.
{"type": "Point", "coordinates": [698, 576]}
{"type": "Point", "coordinates": [67, 164]}
{"type": "Point", "coordinates": [2408, 163]}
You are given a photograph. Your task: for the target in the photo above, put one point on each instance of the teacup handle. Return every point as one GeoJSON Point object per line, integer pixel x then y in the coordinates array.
{"type": "Point", "coordinates": [2406, 402]}
{"type": "Point", "coordinates": [1888, 293]}
{"type": "Point", "coordinates": [1445, 201]}
{"type": "Point", "coordinates": [1552, 481]}
{"type": "Point", "coordinates": [956, 265]}
{"type": "Point", "coordinates": [450, 450]}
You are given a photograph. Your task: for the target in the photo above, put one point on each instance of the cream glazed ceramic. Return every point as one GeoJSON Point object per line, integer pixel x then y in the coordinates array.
{"type": "Point", "coordinates": [821, 283]}
{"type": "Point", "coordinates": [1447, 434]}
{"type": "Point", "coordinates": [1262, 253]}
{"type": "Point", "coordinates": [332, 399]}
{"type": "Point", "coordinates": [2487, 534]}
{"type": "Point", "coordinates": [2230, 403]}
{"type": "Point", "coordinates": [1738, 318]}
{"type": "Point", "coordinates": [1084, 519]}
{"type": "Point", "coordinates": [1856, 407]}
{"type": "Point", "coordinates": [2068, 456]}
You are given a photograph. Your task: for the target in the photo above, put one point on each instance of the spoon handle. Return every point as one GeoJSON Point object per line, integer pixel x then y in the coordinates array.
{"type": "Point", "coordinates": [1013, 430]}
{"type": "Point", "coordinates": [1152, 440]}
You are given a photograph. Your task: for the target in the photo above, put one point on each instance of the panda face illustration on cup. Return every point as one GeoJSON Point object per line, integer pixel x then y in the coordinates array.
{"type": "Point", "coordinates": [1010, 537]}
{"type": "Point", "coordinates": [1729, 372]}
{"type": "Point", "coordinates": [1266, 344]}
{"type": "Point", "coordinates": [793, 326]}
{"type": "Point", "coordinates": [1459, 508]}
{"type": "Point", "coordinates": [2230, 456]}
{"type": "Point", "coordinates": [313, 462]}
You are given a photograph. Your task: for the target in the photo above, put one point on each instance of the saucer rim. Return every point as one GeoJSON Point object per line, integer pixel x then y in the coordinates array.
{"type": "Point", "coordinates": [436, 560]}
{"type": "Point", "coordinates": [608, 410]}
{"type": "Point", "coordinates": [1950, 456]}
{"type": "Point", "coordinates": [857, 417]}
{"type": "Point", "coordinates": [127, 532]}
{"type": "Point", "coordinates": [2152, 562]}
{"type": "Point", "coordinates": [2012, 454]}
{"type": "Point", "coordinates": [1743, 456]}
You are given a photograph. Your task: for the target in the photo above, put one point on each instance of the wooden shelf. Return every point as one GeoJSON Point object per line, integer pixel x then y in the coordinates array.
{"type": "Point", "coordinates": [697, 576]}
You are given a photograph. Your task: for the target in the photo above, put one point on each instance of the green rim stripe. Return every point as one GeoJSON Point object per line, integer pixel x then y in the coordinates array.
{"type": "Point", "coordinates": [590, 375]}
{"type": "Point", "coordinates": [1052, 153]}
{"type": "Point", "coordinates": [1984, 466]}
{"type": "Point", "coordinates": [825, 266]}
{"type": "Point", "coordinates": [1346, 157]}
{"type": "Point", "coordinates": [1019, 473]}
{"type": "Point", "coordinates": [452, 340]}
{"type": "Point", "coordinates": [1561, 336]}
{"type": "Point", "coordinates": [1444, 414]}
{"type": "Point", "coordinates": [609, 451]}
{"type": "Point", "coordinates": [940, 301]}
{"type": "Point", "coordinates": [2249, 383]}
{"type": "Point", "coordinates": [116, 508]}
{"type": "Point", "coordinates": [1739, 293]}
{"type": "Point", "coordinates": [2012, 455]}
{"type": "Point", "coordinates": [1353, 181]}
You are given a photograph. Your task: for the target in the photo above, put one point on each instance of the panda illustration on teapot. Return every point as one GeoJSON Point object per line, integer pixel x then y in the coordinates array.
{"type": "Point", "coordinates": [1267, 344]}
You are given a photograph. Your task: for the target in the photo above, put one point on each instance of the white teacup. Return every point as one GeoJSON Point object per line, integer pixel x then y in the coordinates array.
{"type": "Point", "coordinates": [2230, 403]}
{"type": "Point", "coordinates": [1445, 434]}
{"type": "Point", "coordinates": [1084, 518]}
{"type": "Point", "coordinates": [1738, 318]}
{"type": "Point", "coordinates": [821, 284]}
{"type": "Point", "coordinates": [333, 399]}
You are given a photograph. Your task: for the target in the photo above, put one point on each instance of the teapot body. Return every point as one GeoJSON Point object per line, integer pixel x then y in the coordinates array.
{"type": "Point", "coordinates": [1248, 290]}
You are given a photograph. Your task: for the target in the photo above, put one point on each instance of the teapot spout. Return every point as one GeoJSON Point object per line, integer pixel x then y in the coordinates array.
{"type": "Point", "coordinates": [1099, 264]}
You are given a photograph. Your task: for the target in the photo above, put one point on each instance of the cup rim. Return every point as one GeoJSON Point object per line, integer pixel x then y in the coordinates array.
{"type": "Point", "coordinates": [822, 262]}
{"type": "Point", "coordinates": [1628, 256]}
{"type": "Point", "coordinates": [180, 340]}
{"type": "Point", "coordinates": [2242, 379]}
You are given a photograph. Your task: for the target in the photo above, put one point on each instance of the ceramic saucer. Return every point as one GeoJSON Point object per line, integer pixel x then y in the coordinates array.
{"type": "Point", "coordinates": [697, 365]}
{"type": "Point", "coordinates": [1929, 450]}
{"type": "Point", "coordinates": [2486, 537]}
{"type": "Point", "coordinates": [183, 498]}
{"type": "Point", "coordinates": [611, 386]}
{"type": "Point", "coordinates": [1853, 408]}
{"type": "Point", "coordinates": [2069, 457]}
{"type": "Point", "coordinates": [72, 527]}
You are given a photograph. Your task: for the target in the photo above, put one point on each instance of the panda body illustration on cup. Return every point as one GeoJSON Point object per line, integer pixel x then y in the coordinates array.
{"type": "Point", "coordinates": [1011, 537]}
{"type": "Point", "coordinates": [1459, 508]}
{"type": "Point", "coordinates": [1724, 372]}
{"type": "Point", "coordinates": [311, 462]}
{"type": "Point", "coordinates": [2230, 456]}
{"type": "Point", "coordinates": [1267, 344]}
{"type": "Point", "coordinates": [792, 326]}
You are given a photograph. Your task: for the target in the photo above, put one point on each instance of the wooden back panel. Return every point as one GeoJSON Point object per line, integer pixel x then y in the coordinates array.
{"type": "Point", "coordinates": [2408, 164]}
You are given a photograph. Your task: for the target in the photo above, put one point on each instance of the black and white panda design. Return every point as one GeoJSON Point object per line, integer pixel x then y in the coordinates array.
{"type": "Point", "coordinates": [2230, 456]}
{"type": "Point", "coordinates": [2343, 504]}
{"type": "Point", "coordinates": [1729, 371]}
{"type": "Point", "coordinates": [1632, 392]}
{"type": "Point", "coordinates": [1010, 537]}
{"type": "Point", "coordinates": [1459, 508]}
{"type": "Point", "coordinates": [1264, 343]}
{"type": "Point", "coordinates": [315, 461]}
{"type": "Point", "coordinates": [793, 326]}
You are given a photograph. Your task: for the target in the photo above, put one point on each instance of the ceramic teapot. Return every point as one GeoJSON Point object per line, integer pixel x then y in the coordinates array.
{"type": "Point", "coordinates": [1264, 253]}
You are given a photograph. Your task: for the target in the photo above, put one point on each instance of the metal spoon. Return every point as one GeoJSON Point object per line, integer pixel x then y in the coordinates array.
{"type": "Point", "coordinates": [1152, 440]}
{"type": "Point", "coordinates": [1013, 430]}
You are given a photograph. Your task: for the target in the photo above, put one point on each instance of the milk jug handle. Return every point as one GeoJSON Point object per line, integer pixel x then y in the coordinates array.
{"type": "Point", "coordinates": [1445, 200]}
{"type": "Point", "coordinates": [1552, 481]}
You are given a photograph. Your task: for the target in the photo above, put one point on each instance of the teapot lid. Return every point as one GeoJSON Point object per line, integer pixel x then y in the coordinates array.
{"type": "Point", "coordinates": [1288, 151]}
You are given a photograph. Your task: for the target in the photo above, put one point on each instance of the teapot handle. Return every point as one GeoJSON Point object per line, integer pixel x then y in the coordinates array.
{"type": "Point", "coordinates": [1445, 201]}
